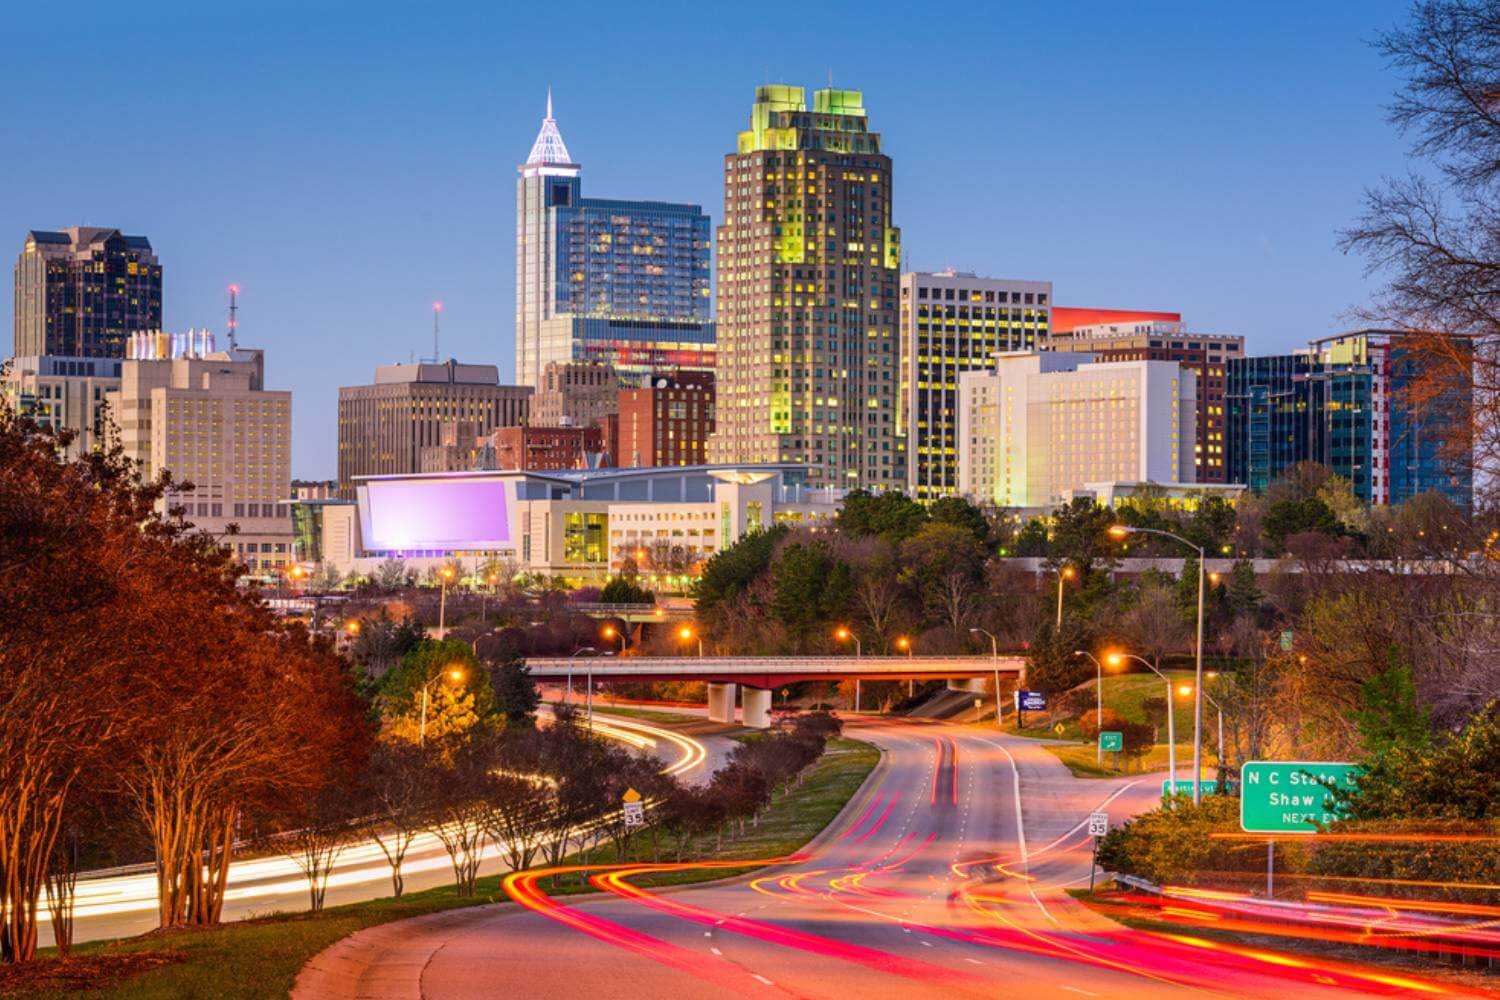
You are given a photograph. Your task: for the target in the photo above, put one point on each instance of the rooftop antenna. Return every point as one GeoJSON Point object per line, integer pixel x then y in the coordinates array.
{"type": "Point", "coordinates": [234, 315]}
{"type": "Point", "coordinates": [830, 78]}
{"type": "Point", "coordinates": [437, 310]}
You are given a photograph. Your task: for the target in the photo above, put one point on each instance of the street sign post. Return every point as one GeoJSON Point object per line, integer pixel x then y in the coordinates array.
{"type": "Point", "coordinates": [1028, 701]}
{"type": "Point", "coordinates": [1291, 796]}
{"type": "Point", "coordinates": [635, 809]}
{"type": "Point", "coordinates": [1112, 740]}
{"type": "Point", "coordinates": [1185, 787]}
{"type": "Point", "coordinates": [1098, 827]}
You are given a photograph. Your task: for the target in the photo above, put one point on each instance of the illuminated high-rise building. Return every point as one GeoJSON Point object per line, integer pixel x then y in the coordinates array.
{"type": "Point", "coordinates": [953, 323]}
{"type": "Point", "coordinates": [623, 283]}
{"type": "Point", "coordinates": [809, 261]}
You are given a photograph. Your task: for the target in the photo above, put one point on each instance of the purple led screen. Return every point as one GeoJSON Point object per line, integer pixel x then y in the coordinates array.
{"type": "Point", "coordinates": [436, 514]}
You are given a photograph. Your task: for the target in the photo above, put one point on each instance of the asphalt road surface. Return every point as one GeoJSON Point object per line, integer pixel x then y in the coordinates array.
{"type": "Point", "coordinates": [946, 877]}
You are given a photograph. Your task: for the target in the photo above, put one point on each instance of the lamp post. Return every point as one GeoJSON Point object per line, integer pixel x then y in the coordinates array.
{"type": "Point", "coordinates": [1098, 700]}
{"type": "Point", "coordinates": [1120, 531]}
{"type": "Point", "coordinates": [686, 634]}
{"type": "Point", "coordinates": [610, 632]}
{"type": "Point", "coordinates": [445, 574]}
{"type": "Point", "coordinates": [582, 649]}
{"type": "Point", "coordinates": [904, 645]}
{"type": "Point", "coordinates": [484, 598]}
{"type": "Point", "coordinates": [995, 660]}
{"type": "Point", "coordinates": [1171, 720]}
{"type": "Point", "coordinates": [1063, 573]}
{"type": "Point", "coordinates": [842, 634]}
{"type": "Point", "coordinates": [454, 674]}
{"type": "Point", "coordinates": [1220, 709]}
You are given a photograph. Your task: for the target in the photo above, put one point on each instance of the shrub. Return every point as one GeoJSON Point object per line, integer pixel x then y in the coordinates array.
{"type": "Point", "coordinates": [1173, 846]}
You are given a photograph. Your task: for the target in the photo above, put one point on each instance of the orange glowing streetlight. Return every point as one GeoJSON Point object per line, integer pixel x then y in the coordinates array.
{"type": "Point", "coordinates": [352, 627]}
{"type": "Point", "coordinates": [686, 634]}
{"type": "Point", "coordinates": [454, 674]}
{"type": "Point", "coordinates": [1114, 660]}
{"type": "Point", "coordinates": [445, 574]}
{"type": "Point", "coordinates": [611, 633]}
{"type": "Point", "coordinates": [1065, 572]}
{"type": "Point", "coordinates": [903, 644]}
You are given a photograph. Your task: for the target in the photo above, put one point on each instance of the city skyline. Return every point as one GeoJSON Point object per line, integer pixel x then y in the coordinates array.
{"type": "Point", "coordinates": [420, 160]}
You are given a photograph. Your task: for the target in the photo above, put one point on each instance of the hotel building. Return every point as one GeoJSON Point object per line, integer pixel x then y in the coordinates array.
{"type": "Point", "coordinates": [1043, 425]}
{"type": "Point", "coordinates": [952, 323]}
{"type": "Point", "coordinates": [1208, 354]}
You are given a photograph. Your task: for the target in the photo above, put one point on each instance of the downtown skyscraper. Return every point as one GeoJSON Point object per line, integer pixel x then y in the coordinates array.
{"type": "Point", "coordinates": [809, 262]}
{"type": "Point", "coordinates": [83, 291]}
{"type": "Point", "coordinates": [623, 283]}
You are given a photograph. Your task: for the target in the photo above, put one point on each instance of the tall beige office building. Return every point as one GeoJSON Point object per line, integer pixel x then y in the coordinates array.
{"type": "Point", "coordinates": [384, 427]}
{"type": "Point", "coordinates": [207, 417]}
{"type": "Point", "coordinates": [809, 258]}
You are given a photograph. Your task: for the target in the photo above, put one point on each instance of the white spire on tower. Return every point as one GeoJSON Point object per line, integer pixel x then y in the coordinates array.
{"type": "Point", "coordinates": [549, 147]}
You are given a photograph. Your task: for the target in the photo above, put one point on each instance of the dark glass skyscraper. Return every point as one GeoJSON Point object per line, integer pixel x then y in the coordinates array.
{"type": "Point", "coordinates": [80, 292]}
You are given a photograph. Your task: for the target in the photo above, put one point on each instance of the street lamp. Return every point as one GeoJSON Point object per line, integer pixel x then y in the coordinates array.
{"type": "Point", "coordinates": [610, 632]}
{"type": "Point", "coordinates": [842, 634]}
{"type": "Point", "coordinates": [445, 574]}
{"type": "Point", "coordinates": [1171, 721]}
{"type": "Point", "coordinates": [995, 661]}
{"type": "Point", "coordinates": [1063, 573]}
{"type": "Point", "coordinates": [686, 634]}
{"type": "Point", "coordinates": [484, 597]}
{"type": "Point", "coordinates": [454, 674]}
{"type": "Point", "coordinates": [351, 627]}
{"type": "Point", "coordinates": [582, 649]}
{"type": "Point", "coordinates": [1120, 531]}
{"type": "Point", "coordinates": [904, 645]}
{"type": "Point", "coordinates": [1114, 661]}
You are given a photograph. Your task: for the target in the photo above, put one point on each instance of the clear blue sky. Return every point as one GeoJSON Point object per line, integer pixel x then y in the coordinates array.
{"type": "Point", "coordinates": [347, 164]}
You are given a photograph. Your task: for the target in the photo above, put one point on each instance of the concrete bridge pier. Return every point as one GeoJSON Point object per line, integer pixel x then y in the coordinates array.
{"type": "Point", "coordinates": [756, 703]}
{"type": "Point", "coordinates": [721, 702]}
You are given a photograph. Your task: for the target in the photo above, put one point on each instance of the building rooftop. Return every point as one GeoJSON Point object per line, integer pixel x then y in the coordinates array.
{"type": "Point", "coordinates": [450, 371]}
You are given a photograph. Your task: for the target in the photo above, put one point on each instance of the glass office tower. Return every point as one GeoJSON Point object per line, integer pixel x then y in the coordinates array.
{"type": "Point", "coordinates": [625, 283]}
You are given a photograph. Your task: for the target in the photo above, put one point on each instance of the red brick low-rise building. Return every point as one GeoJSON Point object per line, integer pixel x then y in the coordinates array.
{"type": "Point", "coordinates": [666, 423]}
{"type": "Point", "coordinates": [535, 449]}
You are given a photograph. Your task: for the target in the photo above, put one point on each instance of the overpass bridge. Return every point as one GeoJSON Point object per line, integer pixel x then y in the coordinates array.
{"type": "Point", "coordinates": [758, 676]}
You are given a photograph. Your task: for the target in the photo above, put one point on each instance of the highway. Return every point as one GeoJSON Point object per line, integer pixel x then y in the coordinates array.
{"type": "Point", "coordinates": [121, 905]}
{"type": "Point", "coordinates": [946, 877]}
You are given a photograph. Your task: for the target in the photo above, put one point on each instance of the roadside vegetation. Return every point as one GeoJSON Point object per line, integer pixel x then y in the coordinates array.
{"type": "Point", "coordinates": [258, 958]}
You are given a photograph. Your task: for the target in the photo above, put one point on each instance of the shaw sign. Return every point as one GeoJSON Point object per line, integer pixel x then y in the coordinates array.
{"type": "Point", "coordinates": [1291, 796]}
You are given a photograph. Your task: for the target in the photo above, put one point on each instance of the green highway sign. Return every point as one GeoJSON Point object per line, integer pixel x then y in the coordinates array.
{"type": "Point", "coordinates": [1185, 787]}
{"type": "Point", "coordinates": [1290, 796]}
{"type": "Point", "coordinates": [1111, 739]}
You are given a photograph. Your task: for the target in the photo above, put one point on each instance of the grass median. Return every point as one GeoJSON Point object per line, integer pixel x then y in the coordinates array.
{"type": "Point", "coordinates": [254, 959]}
